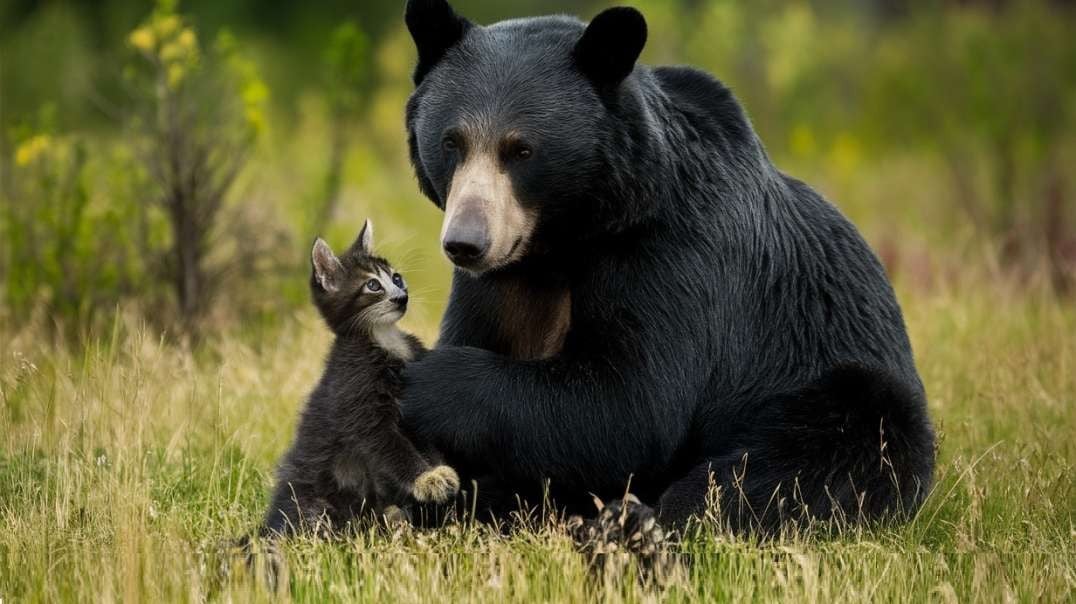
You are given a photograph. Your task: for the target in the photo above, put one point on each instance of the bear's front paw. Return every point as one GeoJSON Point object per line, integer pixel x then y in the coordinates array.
{"type": "Point", "coordinates": [625, 527]}
{"type": "Point", "coordinates": [437, 485]}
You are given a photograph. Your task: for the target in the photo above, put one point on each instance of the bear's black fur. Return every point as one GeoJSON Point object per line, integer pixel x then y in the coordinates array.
{"type": "Point", "coordinates": [728, 326]}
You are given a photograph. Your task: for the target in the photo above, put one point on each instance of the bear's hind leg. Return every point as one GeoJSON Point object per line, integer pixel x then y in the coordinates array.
{"type": "Point", "coordinates": [854, 446]}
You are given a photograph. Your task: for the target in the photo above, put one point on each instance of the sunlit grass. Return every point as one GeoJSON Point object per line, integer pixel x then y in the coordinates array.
{"type": "Point", "coordinates": [126, 464]}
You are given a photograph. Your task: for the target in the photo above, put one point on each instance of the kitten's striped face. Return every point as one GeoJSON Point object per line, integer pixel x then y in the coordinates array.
{"type": "Point", "coordinates": [382, 296]}
{"type": "Point", "coordinates": [358, 290]}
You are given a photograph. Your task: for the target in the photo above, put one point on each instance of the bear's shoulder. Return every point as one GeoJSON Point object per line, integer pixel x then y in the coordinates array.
{"type": "Point", "coordinates": [707, 104]}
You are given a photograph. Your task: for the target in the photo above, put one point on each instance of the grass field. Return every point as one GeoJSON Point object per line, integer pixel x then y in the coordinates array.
{"type": "Point", "coordinates": [124, 465]}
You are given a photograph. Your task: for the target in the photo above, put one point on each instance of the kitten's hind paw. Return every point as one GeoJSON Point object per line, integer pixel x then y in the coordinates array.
{"type": "Point", "coordinates": [437, 485]}
{"type": "Point", "coordinates": [396, 516]}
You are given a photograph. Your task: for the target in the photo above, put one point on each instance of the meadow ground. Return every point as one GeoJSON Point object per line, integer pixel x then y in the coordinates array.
{"type": "Point", "coordinates": [125, 463]}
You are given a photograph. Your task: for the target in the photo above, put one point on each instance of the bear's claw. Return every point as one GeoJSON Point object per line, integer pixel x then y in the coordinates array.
{"type": "Point", "coordinates": [437, 485]}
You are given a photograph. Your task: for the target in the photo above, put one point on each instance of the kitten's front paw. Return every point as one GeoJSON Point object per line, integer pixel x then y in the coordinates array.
{"type": "Point", "coordinates": [437, 485]}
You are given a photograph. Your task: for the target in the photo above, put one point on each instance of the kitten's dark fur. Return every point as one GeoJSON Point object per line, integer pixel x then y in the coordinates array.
{"type": "Point", "coordinates": [349, 456]}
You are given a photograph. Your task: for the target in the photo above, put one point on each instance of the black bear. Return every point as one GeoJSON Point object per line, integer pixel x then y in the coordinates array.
{"type": "Point", "coordinates": [641, 296]}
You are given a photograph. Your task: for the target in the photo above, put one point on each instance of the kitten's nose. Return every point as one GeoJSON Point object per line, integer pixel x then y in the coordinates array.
{"type": "Point", "coordinates": [401, 302]}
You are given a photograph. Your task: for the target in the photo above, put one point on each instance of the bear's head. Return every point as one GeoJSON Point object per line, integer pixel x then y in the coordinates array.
{"type": "Point", "coordinates": [525, 131]}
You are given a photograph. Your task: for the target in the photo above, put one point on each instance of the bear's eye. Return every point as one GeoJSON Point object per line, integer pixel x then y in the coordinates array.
{"type": "Point", "coordinates": [515, 150]}
{"type": "Point", "coordinates": [450, 145]}
{"type": "Point", "coordinates": [518, 151]}
{"type": "Point", "coordinates": [373, 286]}
{"type": "Point", "coordinates": [398, 280]}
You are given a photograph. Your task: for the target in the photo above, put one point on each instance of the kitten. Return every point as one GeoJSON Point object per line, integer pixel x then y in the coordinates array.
{"type": "Point", "coordinates": [349, 456]}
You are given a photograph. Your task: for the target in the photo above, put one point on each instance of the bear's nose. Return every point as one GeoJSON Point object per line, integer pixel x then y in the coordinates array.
{"type": "Point", "coordinates": [463, 252]}
{"type": "Point", "coordinates": [467, 240]}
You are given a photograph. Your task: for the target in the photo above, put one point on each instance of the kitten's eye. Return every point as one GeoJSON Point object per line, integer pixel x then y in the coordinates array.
{"type": "Point", "coordinates": [373, 285]}
{"type": "Point", "coordinates": [398, 280]}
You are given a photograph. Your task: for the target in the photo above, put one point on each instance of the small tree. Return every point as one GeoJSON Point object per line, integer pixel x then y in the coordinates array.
{"type": "Point", "coordinates": [67, 248]}
{"type": "Point", "coordinates": [199, 116]}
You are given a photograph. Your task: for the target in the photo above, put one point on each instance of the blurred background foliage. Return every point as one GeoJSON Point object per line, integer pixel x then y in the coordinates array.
{"type": "Point", "coordinates": [179, 158]}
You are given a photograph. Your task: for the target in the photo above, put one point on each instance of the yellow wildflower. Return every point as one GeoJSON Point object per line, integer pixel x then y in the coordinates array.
{"type": "Point", "coordinates": [845, 155]}
{"type": "Point", "coordinates": [254, 95]}
{"type": "Point", "coordinates": [142, 39]}
{"type": "Point", "coordinates": [186, 40]}
{"type": "Point", "coordinates": [166, 26]}
{"type": "Point", "coordinates": [31, 149]}
{"type": "Point", "coordinates": [172, 52]}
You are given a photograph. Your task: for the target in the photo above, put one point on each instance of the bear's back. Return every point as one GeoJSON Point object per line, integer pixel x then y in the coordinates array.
{"type": "Point", "coordinates": [707, 104]}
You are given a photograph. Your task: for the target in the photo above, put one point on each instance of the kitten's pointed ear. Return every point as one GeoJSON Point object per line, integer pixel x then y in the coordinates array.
{"type": "Point", "coordinates": [610, 46]}
{"type": "Point", "coordinates": [327, 268]}
{"type": "Point", "coordinates": [364, 243]}
{"type": "Point", "coordinates": [435, 28]}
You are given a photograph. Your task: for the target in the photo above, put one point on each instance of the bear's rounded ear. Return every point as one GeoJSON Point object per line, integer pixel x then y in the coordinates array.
{"type": "Point", "coordinates": [435, 28]}
{"type": "Point", "coordinates": [607, 52]}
